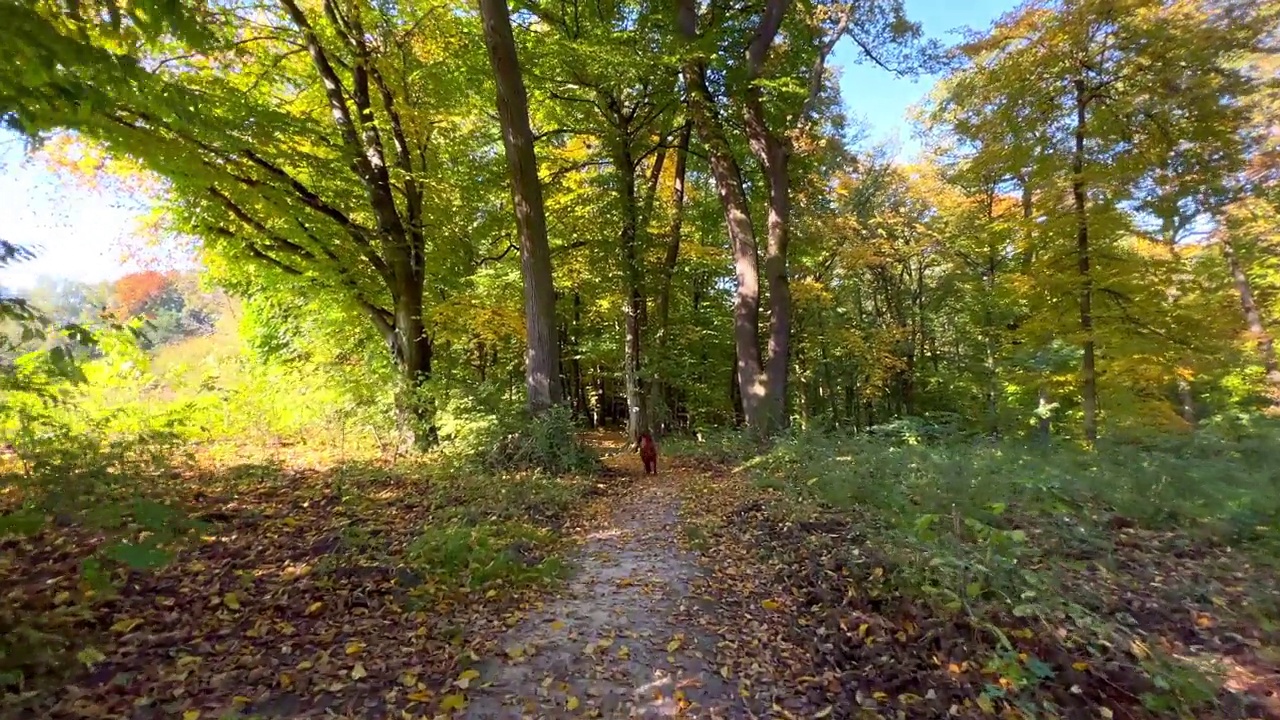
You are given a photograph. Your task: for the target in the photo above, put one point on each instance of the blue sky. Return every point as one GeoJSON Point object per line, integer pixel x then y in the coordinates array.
{"type": "Point", "coordinates": [77, 232]}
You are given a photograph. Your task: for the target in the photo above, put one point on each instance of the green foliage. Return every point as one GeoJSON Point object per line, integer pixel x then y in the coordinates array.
{"type": "Point", "coordinates": [1005, 534]}
{"type": "Point", "coordinates": [476, 556]}
{"type": "Point", "coordinates": [548, 442]}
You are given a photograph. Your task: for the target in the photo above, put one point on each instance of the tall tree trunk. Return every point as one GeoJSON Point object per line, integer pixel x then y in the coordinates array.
{"type": "Point", "coordinates": [411, 352]}
{"type": "Point", "coordinates": [1044, 423]}
{"type": "Point", "coordinates": [1088, 367]}
{"type": "Point", "coordinates": [775, 273]}
{"type": "Point", "coordinates": [579, 390]}
{"type": "Point", "coordinates": [728, 181]}
{"type": "Point", "coordinates": [658, 382]}
{"type": "Point", "coordinates": [542, 379]}
{"type": "Point", "coordinates": [773, 151]}
{"type": "Point", "coordinates": [1186, 399]}
{"type": "Point", "coordinates": [624, 166]}
{"type": "Point", "coordinates": [1253, 319]}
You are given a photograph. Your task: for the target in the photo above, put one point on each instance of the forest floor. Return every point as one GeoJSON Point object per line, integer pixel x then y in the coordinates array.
{"type": "Point", "coordinates": [694, 593]}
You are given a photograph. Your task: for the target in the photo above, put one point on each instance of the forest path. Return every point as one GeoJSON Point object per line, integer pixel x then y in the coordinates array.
{"type": "Point", "coordinates": [617, 641]}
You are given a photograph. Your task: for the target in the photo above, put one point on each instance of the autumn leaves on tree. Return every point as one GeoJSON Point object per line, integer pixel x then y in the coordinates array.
{"type": "Point", "coordinates": [696, 232]}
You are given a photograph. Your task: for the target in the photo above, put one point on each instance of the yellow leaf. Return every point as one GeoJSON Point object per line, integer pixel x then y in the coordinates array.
{"type": "Point", "coordinates": [90, 656]}
{"type": "Point", "coordinates": [824, 712]}
{"type": "Point", "coordinates": [126, 625]}
{"type": "Point", "coordinates": [985, 703]}
{"type": "Point", "coordinates": [358, 671]}
{"type": "Point", "coordinates": [1139, 649]}
{"type": "Point", "coordinates": [515, 652]}
{"type": "Point", "coordinates": [314, 608]}
{"type": "Point", "coordinates": [354, 648]}
{"type": "Point", "coordinates": [572, 703]}
{"type": "Point", "coordinates": [464, 680]}
{"type": "Point", "coordinates": [770, 605]}
{"type": "Point", "coordinates": [1080, 666]}
{"type": "Point", "coordinates": [1106, 713]}
{"type": "Point", "coordinates": [725, 672]}
{"type": "Point", "coordinates": [231, 601]}
{"type": "Point", "coordinates": [453, 702]}
{"type": "Point", "coordinates": [624, 652]}
{"type": "Point", "coordinates": [862, 629]}
{"type": "Point", "coordinates": [191, 715]}
{"type": "Point", "coordinates": [285, 680]}
{"type": "Point", "coordinates": [408, 679]}
{"type": "Point", "coordinates": [241, 700]}
{"type": "Point", "coordinates": [673, 645]}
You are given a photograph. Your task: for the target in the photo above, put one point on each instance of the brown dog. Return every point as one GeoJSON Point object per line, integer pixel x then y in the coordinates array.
{"type": "Point", "coordinates": [648, 453]}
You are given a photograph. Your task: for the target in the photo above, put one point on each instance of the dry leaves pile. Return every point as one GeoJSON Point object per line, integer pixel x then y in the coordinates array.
{"type": "Point", "coordinates": [817, 627]}
{"type": "Point", "coordinates": [293, 601]}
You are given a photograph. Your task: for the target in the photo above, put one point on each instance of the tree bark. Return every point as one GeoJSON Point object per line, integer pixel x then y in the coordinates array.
{"type": "Point", "coordinates": [774, 155]}
{"type": "Point", "coordinates": [542, 378]}
{"type": "Point", "coordinates": [657, 387]}
{"type": "Point", "coordinates": [1044, 422]}
{"type": "Point", "coordinates": [1253, 319]}
{"type": "Point", "coordinates": [1088, 367]}
{"type": "Point", "coordinates": [728, 181]}
{"type": "Point", "coordinates": [625, 168]}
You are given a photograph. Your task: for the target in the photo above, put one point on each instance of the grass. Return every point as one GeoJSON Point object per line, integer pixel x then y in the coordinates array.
{"type": "Point", "coordinates": [1138, 559]}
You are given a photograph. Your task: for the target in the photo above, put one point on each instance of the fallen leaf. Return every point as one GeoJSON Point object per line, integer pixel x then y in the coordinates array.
{"type": "Point", "coordinates": [571, 703]}
{"type": "Point", "coordinates": [770, 605]}
{"type": "Point", "coordinates": [90, 656]}
{"type": "Point", "coordinates": [453, 702]}
{"type": "Point", "coordinates": [354, 648]}
{"type": "Point", "coordinates": [314, 608]}
{"type": "Point", "coordinates": [464, 680]}
{"type": "Point", "coordinates": [231, 601]}
{"type": "Point", "coordinates": [191, 715]}
{"type": "Point", "coordinates": [358, 672]}
{"type": "Point", "coordinates": [126, 625]}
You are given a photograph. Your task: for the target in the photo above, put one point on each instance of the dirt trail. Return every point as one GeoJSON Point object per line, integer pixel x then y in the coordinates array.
{"type": "Point", "coordinates": [613, 643]}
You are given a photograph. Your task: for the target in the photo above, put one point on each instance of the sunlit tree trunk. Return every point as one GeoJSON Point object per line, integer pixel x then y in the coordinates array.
{"type": "Point", "coordinates": [1253, 319]}
{"type": "Point", "coordinates": [542, 378]}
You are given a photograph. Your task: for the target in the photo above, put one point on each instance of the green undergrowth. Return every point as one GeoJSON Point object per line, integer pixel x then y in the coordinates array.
{"type": "Point", "coordinates": [1105, 551]}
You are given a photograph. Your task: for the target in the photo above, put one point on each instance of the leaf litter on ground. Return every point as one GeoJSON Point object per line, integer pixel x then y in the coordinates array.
{"type": "Point", "coordinates": [300, 599]}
